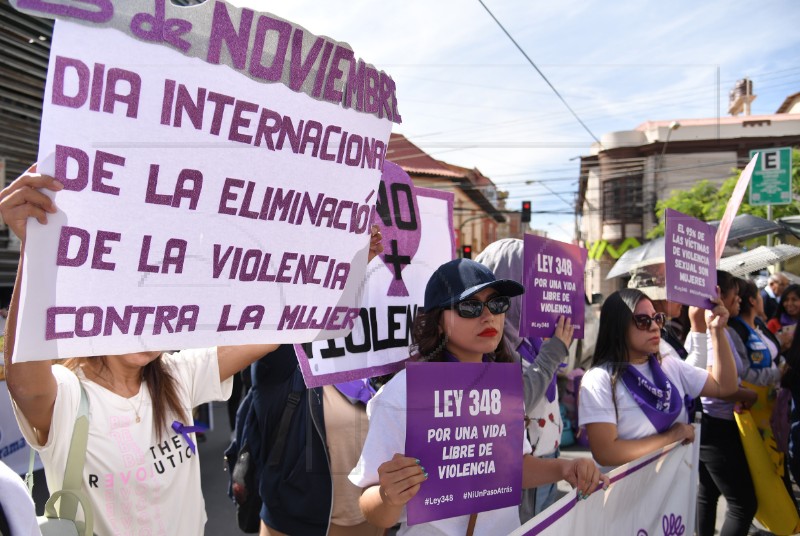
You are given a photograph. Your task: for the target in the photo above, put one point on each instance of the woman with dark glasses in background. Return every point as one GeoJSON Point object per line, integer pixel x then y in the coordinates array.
{"type": "Point", "coordinates": [632, 400]}
{"type": "Point", "coordinates": [463, 318]}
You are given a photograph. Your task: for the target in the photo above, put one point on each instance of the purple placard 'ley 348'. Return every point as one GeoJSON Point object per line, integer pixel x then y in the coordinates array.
{"type": "Point", "coordinates": [465, 424]}
{"type": "Point", "coordinates": [553, 280]}
{"type": "Point", "coordinates": [689, 260]}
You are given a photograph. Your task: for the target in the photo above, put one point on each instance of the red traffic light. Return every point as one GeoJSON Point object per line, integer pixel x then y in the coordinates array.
{"type": "Point", "coordinates": [466, 252]}
{"type": "Point", "coordinates": [526, 212]}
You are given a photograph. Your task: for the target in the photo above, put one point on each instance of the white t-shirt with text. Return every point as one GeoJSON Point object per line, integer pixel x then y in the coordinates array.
{"type": "Point", "coordinates": [139, 484]}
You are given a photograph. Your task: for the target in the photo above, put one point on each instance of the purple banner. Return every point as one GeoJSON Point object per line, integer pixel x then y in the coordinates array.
{"type": "Point", "coordinates": [553, 280]}
{"type": "Point", "coordinates": [465, 425]}
{"type": "Point", "coordinates": [689, 259]}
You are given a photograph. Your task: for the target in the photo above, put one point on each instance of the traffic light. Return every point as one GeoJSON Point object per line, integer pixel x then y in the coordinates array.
{"type": "Point", "coordinates": [526, 212]}
{"type": "Point", "coordinates": [466, 252]}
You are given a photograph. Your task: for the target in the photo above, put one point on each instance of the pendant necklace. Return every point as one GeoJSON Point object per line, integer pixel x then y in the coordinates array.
{"type": "Point", "coordinates": [134, 408]}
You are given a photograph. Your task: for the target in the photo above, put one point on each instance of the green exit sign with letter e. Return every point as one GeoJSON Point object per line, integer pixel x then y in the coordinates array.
{"type": "Point", "coordinates": [771, 183]}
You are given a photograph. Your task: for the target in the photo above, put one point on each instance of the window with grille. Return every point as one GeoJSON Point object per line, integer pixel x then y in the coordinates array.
{"type": "Point", "coordinates": [622, 199]}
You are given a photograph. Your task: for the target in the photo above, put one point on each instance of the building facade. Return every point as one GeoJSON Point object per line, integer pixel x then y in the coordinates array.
{"type": "Point", "coordinates": [628, 172]}
{"type": "Point", "coordinates": [476, 208]}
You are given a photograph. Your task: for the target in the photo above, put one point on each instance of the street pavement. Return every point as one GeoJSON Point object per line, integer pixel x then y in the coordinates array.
{"type": "Point", "coordinates": [220, 509]}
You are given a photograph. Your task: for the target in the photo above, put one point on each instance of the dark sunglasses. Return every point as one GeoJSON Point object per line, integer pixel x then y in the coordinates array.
{"type": "Point", "coordinates": [643, 322]}
{"type": "Point", "coordinates": [474, 308]}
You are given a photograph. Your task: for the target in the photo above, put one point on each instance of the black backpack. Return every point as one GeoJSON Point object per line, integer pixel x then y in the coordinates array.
{"type": "Point", "coordinates": [278, 460]}
{"type": "Point", "coordinates": [242, 459]}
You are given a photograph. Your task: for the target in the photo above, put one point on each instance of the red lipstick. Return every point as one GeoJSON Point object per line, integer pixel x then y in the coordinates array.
{"type": "Point", "coordinates": [488, 332]}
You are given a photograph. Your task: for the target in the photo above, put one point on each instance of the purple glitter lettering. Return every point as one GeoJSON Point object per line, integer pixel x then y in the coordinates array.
{"type": "Point", "coordinates": [300, 68]}
{"type": "Point", "coordinates": [62, 256]}
{"type": "Point", "coordinates": [104, 13]}
{"type": "Point", "coordinates": [160, 29]}
{"type": "Point", "coordinates": [193, 109]}
{"type": "Point", "coordinates": [101, 249]}
{"type": "Point", "coordinates": [144, 254]}
{"type": "Point", "coordinates": [59, 98]}
{"type": "Point", "coordinates": [169, 99]}
{"type": "Point", "coordinates": [323, 66]}
{"type": "Point", "coordinates": [220, 102]}
{"type": "Point", "coordinates": [371, 91]}
{"type": "Point", "coordinates": [50, 332]}
{"type": "Point", "coordinates": [192, 193]}
{"type": "Point", "coordinates": [274, 71]}
{"type": "Point", "coordinates": [99, 172]}
{"type": "Point", "coordinates": [311, 135]}
{"type": "Point", "coordinates": [131, 99]}
{"type": "Point", "coordinates": [81, 179]}
{"type": "Point", "coordinates": [164, 314]}
{"type": "Point", "coordinates": [228, 195]}
{"type": "Point", "coordinates": [265, 131]}
{"type": "Point", "coordinates": [98, 74]}
{"type": "Point", "coordinates": [335, 73]}
{"type": "Point", "coordinates": [96, 316]}
{"type": "Point", "coordinates": [354, 141]}
{"type": "Point", "coordinates": [325, 155]}
{"type": "Point", "coordinates": [288, 317]}
{"type": "Point", "coordinates": [355, 85]}
{"type": "Point", "coordinates": [239, 121]}
{"type": "Point", "coordinates": [284, 267]}
{"type": "Point", "coordinates": [222, 31]}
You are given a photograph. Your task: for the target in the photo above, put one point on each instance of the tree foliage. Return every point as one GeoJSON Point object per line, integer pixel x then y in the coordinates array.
{"type": "Point", "coordinates": [707, 201]}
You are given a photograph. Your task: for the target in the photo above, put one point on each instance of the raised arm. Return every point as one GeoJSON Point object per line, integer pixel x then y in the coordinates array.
{"type": "Point", "coordinates": [31, 384]}
{"type": "Point", "coordinates": [697, 341]}
{"type": "Point", "coordinates": [723, 379]}
{"type": "Point", "coordinates": [537, 377]}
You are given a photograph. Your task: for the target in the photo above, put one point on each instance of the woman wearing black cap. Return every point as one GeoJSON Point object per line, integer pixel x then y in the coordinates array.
{"type": "Point", "coordinates": [463, 322]}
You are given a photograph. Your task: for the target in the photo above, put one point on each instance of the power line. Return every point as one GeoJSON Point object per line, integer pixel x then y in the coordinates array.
{"type": "Point", "coordinates": [540, 72]}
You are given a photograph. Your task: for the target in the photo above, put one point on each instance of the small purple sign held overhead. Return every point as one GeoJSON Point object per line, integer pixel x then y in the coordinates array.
{"type": "Point", "coordinates": [465, 425]}
{"type": "Point", "coordinates": [689, 258]}
{"type": "Point", "coordinates": [553, 279]}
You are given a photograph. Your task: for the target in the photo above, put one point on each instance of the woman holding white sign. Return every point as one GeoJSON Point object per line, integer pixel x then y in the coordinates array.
{"type": "Point", "coordinates": [463, 321]}
{"type": "Point", "coordinates": [632, 400]}
{"type": "Point", "coordinates": [142, 472]}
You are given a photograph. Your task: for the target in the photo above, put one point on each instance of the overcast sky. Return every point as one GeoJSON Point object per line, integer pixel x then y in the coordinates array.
{"type": "Point", "coordinates": [469, 97]}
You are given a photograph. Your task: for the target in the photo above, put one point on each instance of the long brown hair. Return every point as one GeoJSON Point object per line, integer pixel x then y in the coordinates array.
{"type": "Point", "coordinates": [429, 343]}
{"type": "Point", "coordinates": [160, 383]}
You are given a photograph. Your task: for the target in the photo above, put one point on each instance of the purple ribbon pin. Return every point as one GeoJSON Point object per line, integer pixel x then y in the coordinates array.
{"type": "Point", "coordinates": [184, 430]}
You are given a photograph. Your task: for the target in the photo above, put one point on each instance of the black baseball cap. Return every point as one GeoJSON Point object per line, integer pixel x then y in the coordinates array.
{"type": "Point", "coordinates": [459, 279]}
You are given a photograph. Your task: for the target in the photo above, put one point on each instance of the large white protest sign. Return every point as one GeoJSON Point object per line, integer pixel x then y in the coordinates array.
{"type": "Point", "coordinates": [219, 184]}
{"type": "Point", "coordinates": [417, 229]}
{"type": "Point", "coordinates": [653, 496]}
